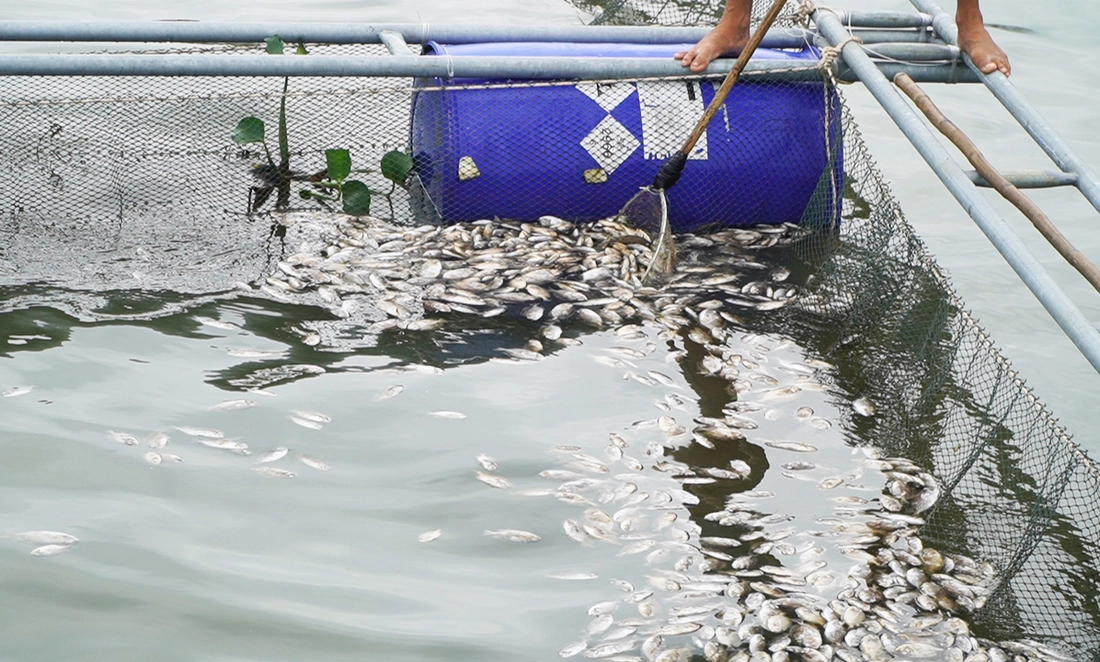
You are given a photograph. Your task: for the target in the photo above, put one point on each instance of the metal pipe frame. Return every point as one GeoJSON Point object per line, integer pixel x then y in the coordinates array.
{"type": "Point", "coordinates": [444, 66]}
{"type": "Point", "coordinates": [1080, 331]}
{"type": "Point", "coordinates": [197, 32]}
{"type": "Point", "coordinates": [1030, 119]}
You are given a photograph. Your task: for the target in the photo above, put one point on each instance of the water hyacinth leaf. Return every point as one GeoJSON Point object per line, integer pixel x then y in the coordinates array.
{"type": "Point", "coordinates": [249, 130]}
{"type": "Point", "coordinates": [356, 198]}
{"type": "Point", "coordinates": [396, 166]}
{"type": "Point", "coordinates": [339, 164]}
{"type": "Point", "coordinates": [274, 45]}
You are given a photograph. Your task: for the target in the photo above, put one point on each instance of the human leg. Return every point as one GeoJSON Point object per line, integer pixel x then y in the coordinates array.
{"type": "Point", "coordinates": [729, 36]}
{"type": "Point", "coordinates": [974, 39]}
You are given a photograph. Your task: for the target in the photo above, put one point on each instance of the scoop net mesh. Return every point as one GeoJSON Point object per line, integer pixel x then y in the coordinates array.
{"type": "Point", "coordinates": [144, 170]}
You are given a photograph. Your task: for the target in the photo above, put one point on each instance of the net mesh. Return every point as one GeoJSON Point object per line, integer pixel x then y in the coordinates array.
{"type": "Point", "coordinates": [144, 171]}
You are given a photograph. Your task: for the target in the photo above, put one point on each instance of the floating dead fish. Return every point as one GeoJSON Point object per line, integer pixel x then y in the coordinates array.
{"type": "Point", "coordinates": [234, 405]}
{"type": "Point", "coordinates": [17, 391]}
{"type": "Point", "coordinates": [123, 438]}
{"type": "Point", "coordinates": [313, 463]}
{"type": "Point", "coordinates": [492, 480]}
{"type": "Point", "coordinates": [863, 407]}
{"type": "Point", "coordinates": [306, 423]}
{"type": "Point", "coordinates": [154, 458]}
{"type": "Point", "coordinates": [390, 392]}
{"type": "Point", "coordinates": [794, 446]}
{"type": "Point", "coordinates": [157, 440]}
{"type": "Point", "coordinates": [514, 535]}
{"type": "Point", "coordinates": [573, 576]}
{"type": "Point", "coordinates": [429, 536]}
{"type": "Point", "coordinates": [312, 416]}
{"type": "Point", "coordinates": [50, 550]}
{"type": "Point", "coordinates": [47, 538]}
{"type": "Point", "coordinates": [254, 353]}
{"type": "Point", "coordinates": [200, 432]}
{"type": "Point", "coordinates": [453, 415]}
{"type": "Point", "coordinates": [225, 445]}
{"type": "Point", "coordinates": [275, 472]}
{"type": "Point", "coordinates": [273, 455]}
{"type": "Point", "coordinates": [487, 463]}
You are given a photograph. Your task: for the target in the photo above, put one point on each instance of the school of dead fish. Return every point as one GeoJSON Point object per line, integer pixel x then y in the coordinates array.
{"type": "Point", "coordinates": [761, 593]}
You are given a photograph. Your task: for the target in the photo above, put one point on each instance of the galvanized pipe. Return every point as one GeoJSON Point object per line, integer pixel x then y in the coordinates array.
{"type": "Point", "coordinates": [1029, 178]}
{"type": "Point", "coordinates": [1061, 308]}
{"type": "Point", "coordinates": [883, 19]}
{"type": "Point", "coordinates": [1043, 134]}
{"type": "Point", "coordinates": [465, 66]}
{"type": "Point", "coordinates": [196, 32]}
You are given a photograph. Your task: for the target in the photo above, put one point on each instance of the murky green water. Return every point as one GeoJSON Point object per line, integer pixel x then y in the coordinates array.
{"type": "Point", "coordinates": [206, 559]}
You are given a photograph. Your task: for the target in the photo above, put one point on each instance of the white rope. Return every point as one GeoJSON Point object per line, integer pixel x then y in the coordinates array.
{"type": "Point", "coordinates": [830, 54]}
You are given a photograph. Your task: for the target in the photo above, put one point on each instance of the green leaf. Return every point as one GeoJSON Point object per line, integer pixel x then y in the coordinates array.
{"type": "Point", "coordinates": [274, 45]}
{"type": "Point", "coordinates": [301, 50]}
{"type": "Point", "coordinates": [339, 164]}
{"type": "Point", "coordinates": [284, 144]}
{"type": "Point", "coordinates": [249, 130]}
{"type": "Point", "coordinates": [356, 198]}
{"type": "Point", "coordinates": [396, 166]}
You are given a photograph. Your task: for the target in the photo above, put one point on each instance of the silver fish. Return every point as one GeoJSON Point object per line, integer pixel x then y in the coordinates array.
{"type": "Point", "coordinates": [312, 416]}
{"type": "Point", "coordinates": [47, 538]}
{"type": "Point", "coordinates": [514, 535]}
{"type": "Point", "coordinates": [157, 440]}
{"type": "Point", "coordinates": [492, 480]}
{"type": "Point", "coordinates": [200, 432]}
{"type": "Point", "coordinates": [225, 444]}
{"type": "Point", "coordinates": [234, 405]}
{"type": "Point", "coordinates": [16, 391]}
{"type": "Point", "coordinates": [275, 472]}
{"type": "Point", "coordinates": [123, 438]}
{"type": "Point", "coordinates": [794, 446]}
{"type": "Point", "coordinates": [390, 392]}
{"type": "Point", "coordinates": [49, 550]}
{"type": "Point", "coordinates": [273, 455]}
{"type": "Point", "coordinates": [306, 423]}
{"type": "Point", "coordinates": [453, 415]}
{"type": "Point", "coordinates": [429, 536]}
{"type": "Point", "coordinates": [313, 463]}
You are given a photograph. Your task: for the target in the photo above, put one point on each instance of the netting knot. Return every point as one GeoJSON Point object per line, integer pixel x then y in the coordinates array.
{"type": "Point", "coordinates": [829, 54]}
{"type": "Point", "coordinates": [805, 9]}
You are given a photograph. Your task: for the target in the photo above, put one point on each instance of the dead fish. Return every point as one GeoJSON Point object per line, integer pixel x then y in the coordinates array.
{"type": "Point", "coordinates": [487, 463]}
{"type": "Point", "coordinates": [273, 455]}
{"type": "Point", "coordinates": [311, 416]}
{"type": "Point", "coordinates": [313, 463]}
{"type": "Point", "coordinates": [123, 438]}
{"type": "Point", "coordinates": [453, 415]}
{"type": "Point", "coordinates": [514, 535]}
{"type": "Point", "coordinates": [47, 538]}
{"type": "Point", "coordinates": [390, 392]}
{"type": "Point", "coordinates": [492, 480]}
{"type": "Point", "coordinates": [254, 353]}
{"type": "Point", "coordinates": [225, 445]}
{"type": "Point", "coordinates": [863, 407]}
{"type": "Point", "coordinates": [154, 458]}
{"type": "Point", "coordinates": [200, 432]}
{"type": "Point", "coordinates": [49, 550]}
{"type": "Point", "coordinates": [306, 423]}
{"type": "Point", "coordinates": [275, 472]}
{"type": "Point", "coordinates": [794, 446]}
{"type": "Point", "coordinates": [234, 405]}
{"type": "Point", "coordinates": [17, 391]}
{"type": "Point", "coordinates": [573, 576]}
{"type": "Point", "coordinates": [157, 440]}
{"type": "Point", "coordinates": [429, 536]}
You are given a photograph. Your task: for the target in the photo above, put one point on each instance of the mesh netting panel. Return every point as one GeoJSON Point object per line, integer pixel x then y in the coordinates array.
{"type": "Point", "coordinates": [144, 170]}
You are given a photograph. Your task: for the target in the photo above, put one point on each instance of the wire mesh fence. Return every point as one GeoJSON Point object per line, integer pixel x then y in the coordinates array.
{"type": "Point", "coordinates": [148, 170]}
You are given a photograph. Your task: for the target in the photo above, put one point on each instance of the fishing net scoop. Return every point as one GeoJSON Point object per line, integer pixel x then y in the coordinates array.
{"type": "Point", "coordinates": [648, 209]}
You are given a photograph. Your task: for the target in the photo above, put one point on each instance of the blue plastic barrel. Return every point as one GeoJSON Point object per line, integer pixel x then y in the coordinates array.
{"type": "Point", "coordinates": [581, 150]}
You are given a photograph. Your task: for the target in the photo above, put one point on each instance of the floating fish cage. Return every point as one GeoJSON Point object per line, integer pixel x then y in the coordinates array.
{"type": "Point", "coordinates": [95, 148]}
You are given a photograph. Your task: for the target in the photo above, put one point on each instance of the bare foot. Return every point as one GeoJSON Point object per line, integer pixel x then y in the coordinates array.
{"type": "Point", "coordinates": [722, 40]}
{"type": "Point", "coordinates": [974, 39]}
